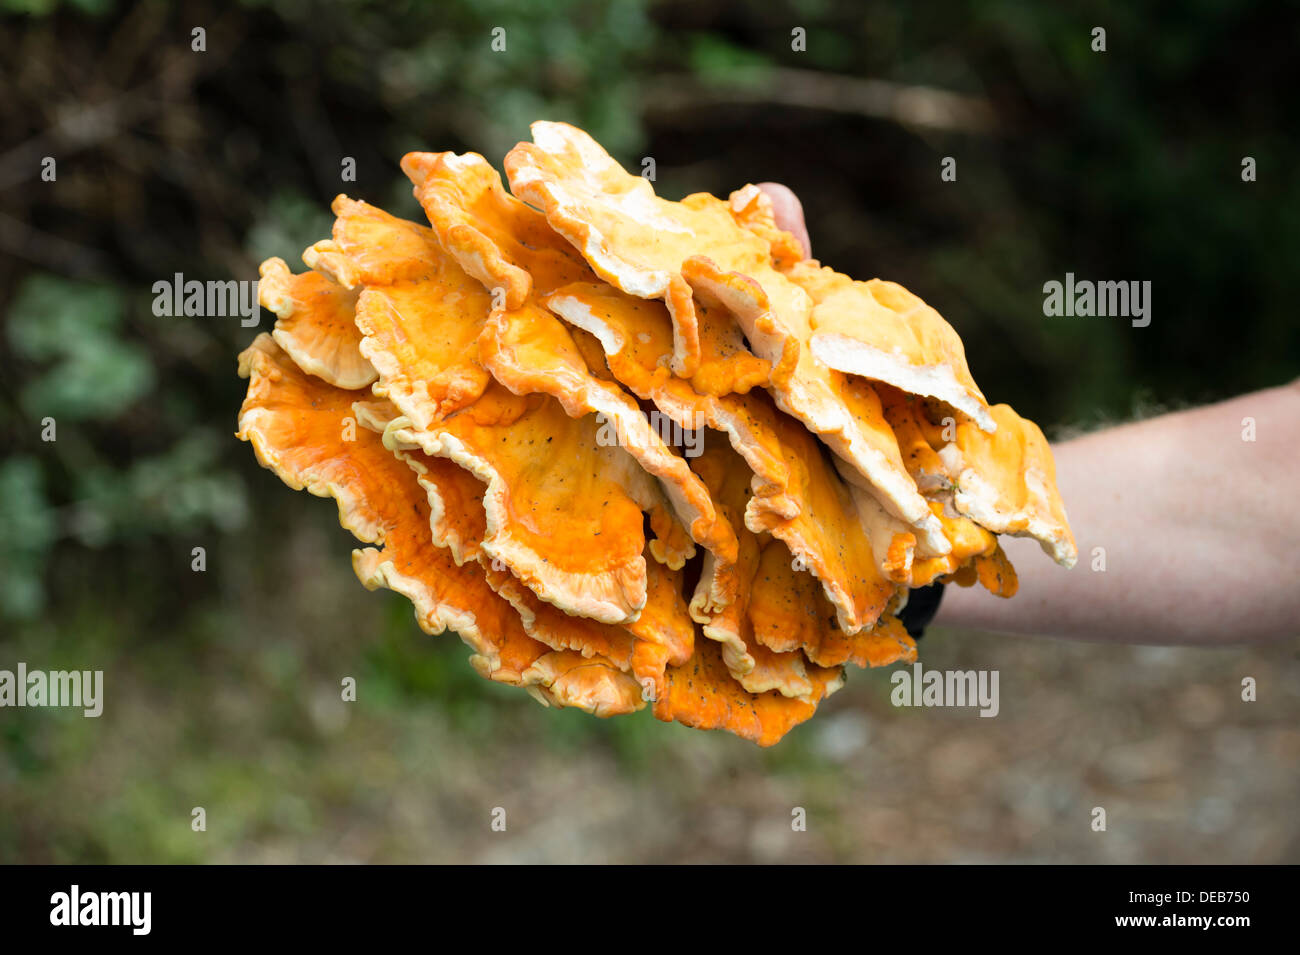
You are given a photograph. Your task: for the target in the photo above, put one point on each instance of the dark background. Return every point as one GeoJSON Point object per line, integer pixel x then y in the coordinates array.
{"type": "Point", "coordinates": [221, 687]}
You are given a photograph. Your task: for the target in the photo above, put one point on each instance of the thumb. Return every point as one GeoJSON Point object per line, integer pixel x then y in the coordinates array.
{"type": "Point", "coordinates": [788, 212]}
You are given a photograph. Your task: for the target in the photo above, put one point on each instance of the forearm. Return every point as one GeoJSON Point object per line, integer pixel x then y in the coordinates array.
{"type": "Point", "coordinates": [1198, 532]}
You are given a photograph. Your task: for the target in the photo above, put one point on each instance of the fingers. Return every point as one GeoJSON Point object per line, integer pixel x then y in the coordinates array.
{"type": "Point", "coordinates": [789, 213]}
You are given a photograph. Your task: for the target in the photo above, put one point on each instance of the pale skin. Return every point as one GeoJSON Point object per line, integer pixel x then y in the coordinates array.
{"type": "Point", "coordinates": [1194, 515]}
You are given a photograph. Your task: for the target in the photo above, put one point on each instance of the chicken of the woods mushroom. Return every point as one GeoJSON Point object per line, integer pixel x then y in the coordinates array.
{"type": "Point", "coordinates": [635, 452]}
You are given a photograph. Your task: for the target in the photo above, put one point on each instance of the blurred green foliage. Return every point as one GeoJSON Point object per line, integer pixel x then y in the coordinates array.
{"type": "Point", "coordinates": [30, 530]}
{"type": "Point", "coordinates": [71, 333]}
{"type": "Point", "coordinates": [1122, 165]}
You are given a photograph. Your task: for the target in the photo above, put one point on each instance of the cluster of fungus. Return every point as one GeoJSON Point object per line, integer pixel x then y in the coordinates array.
{"type": "Point", "coordinates": [480, 397]}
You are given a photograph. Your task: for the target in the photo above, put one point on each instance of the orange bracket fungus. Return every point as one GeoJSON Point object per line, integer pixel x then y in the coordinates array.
{"type": "Point", "coordinates": [479, 397]}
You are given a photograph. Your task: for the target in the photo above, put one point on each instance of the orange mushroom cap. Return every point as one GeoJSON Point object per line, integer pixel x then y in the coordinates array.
{"type": "Point", "coordinates": [509, 470]}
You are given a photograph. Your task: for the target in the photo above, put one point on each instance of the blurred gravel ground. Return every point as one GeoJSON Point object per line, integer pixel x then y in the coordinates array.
{"type": "Point", "coordinates": [237, 709]}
